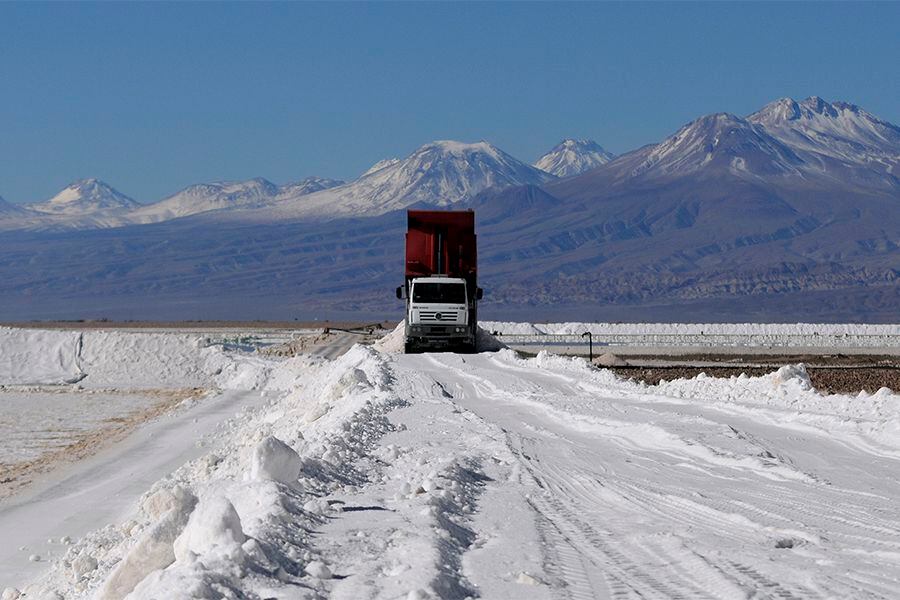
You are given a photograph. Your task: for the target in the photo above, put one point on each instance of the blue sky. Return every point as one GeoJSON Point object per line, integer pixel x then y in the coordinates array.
{"type": "Point", "coordinates": [153, 97]}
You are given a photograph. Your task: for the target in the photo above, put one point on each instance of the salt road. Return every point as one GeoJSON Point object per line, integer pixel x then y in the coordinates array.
{"type": "Point", "coordinates": [636, 493]}
{"type": "Point", "coordinates": [382, 475]}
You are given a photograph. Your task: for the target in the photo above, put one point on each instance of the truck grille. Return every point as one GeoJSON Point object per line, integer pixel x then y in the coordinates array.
{"type": "Point", "coordinates": [431, 316]}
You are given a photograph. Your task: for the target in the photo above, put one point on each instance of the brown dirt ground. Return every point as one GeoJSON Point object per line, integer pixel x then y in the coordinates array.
{"type": "Point", "coordinates": [827, 380]}
{"type": "Point", "coordinates": [816, 360]}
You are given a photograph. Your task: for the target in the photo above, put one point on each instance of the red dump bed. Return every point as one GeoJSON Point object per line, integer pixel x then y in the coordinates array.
{"type": "Point", "coordinates": [442, 242]}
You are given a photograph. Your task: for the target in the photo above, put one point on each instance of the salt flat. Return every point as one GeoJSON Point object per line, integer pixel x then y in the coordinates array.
{"type": "Point", "coordinates": [42, 427]}
{"type": "Point", "coordinates": [381, 475]}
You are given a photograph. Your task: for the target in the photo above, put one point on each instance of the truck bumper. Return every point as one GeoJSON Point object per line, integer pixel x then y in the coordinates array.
{"type": "Point", "coordinates": [439, 336]}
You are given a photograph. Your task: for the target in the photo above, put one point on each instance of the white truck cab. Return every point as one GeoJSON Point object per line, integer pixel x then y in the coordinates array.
{"type": "Point", "coordinates": [438, 312]}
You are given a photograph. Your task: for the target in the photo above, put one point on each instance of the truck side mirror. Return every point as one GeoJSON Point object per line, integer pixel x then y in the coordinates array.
{"type": "Point", "coordinates": [479, 293]}
{"type": "Point", "coordinates": [400, 293]}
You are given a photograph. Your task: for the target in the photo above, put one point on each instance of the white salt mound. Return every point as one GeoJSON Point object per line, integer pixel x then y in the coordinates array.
{"type": "Point", "coordinates": [164, 499]}
{"type": "Point", "coordinates": [152, 552]}
{"type": "Point", "coordinates": [609, 359]}
{"type": "Point", "coordinates": [83, 565]}
{"type": "Point", "coordinates": [319, 570]}
{"type": "Point", "coordinates": [795, 374]}
{"type": "Point", "coordinates": [213, 529]}
{"type": "Point", "coordinates": [393, 342]}
{"type": "Point", "coordinates": [276, 461]}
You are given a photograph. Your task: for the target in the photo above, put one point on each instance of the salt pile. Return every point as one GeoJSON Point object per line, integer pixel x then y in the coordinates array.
{"type": "Point", "coordinates": [237, 520]}
{"type": "Point", "coordinates": [609, 359]}
{"type": "Point", "coordinates": [393, 342]}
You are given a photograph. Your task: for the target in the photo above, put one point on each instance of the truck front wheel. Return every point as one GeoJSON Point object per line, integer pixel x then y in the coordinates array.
{"type": "Point", "coordinates": [467, 348]}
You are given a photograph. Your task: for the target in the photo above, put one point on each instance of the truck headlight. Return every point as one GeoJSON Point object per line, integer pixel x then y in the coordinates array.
{"type": "Point", "coordinates": [459, 330]}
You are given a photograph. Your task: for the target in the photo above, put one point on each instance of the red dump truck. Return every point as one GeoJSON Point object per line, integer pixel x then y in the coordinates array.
{"type": "Point", "coordinates": [441, 288]}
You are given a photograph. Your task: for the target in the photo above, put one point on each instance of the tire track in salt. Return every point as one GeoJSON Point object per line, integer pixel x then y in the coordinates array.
{"type": "Point", "coordinates": [566, 563]}
{"type": "Point", "coordinates": [748, 507]}
{"type": "Point", "coordinates": [626, 567]}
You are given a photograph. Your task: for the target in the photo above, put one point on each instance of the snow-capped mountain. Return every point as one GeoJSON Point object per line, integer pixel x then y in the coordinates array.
{"type": "Point", "coordinates": [84, 197]}
{"type": "Point", "coordinates": [812, 142]}
{"type": "Point", "coordinates": [9, 210]}
{"type": "Point", "coordinates": [254, 193]}
{"type": "Point", "coordinates": [310, 185]}
{"type": "Point", "coordinates": [441, 174]}
{"type": "Point", "coordinates": [808, 143]}
{"type": "Point", "coordinates": [228, 195]}
{"type": "Point", "coordinates": [573, 157]}
{"type": "Point", "coordinates": [715, 142]}
{"type": "Point", "coordinates": [381, 164]}
{"type": "Point", "coordinates": [12, 213]}
{"type": "Point", "coordinates": [206, 197]}
{"type": "Point", "coordinates": [837, 130]}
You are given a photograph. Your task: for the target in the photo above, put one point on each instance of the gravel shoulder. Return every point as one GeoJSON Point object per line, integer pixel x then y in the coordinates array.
{"type": "Point", "coordinates": [847, 380]}
{"type": "Point", "coordinates": [829, 373]}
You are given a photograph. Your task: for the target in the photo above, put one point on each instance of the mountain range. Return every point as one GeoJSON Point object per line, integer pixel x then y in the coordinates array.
{"type": "Point", "coordinates": [441, 174]}
{"type": "Point", "coordinates": [790, 213]}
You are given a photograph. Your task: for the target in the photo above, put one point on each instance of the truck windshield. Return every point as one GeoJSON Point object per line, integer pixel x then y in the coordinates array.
{"type": "Point", "coordinates": [448, 293]}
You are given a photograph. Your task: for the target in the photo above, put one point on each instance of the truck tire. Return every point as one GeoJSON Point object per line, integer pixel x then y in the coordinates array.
{"type": "Point", "coordinates": [409, 348]}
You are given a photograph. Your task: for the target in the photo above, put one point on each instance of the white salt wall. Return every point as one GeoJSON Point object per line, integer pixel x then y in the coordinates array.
{"type": "Point", "coordinates": [32, 356]}
{"type": "Point", "coordinates": [121, 359]}
{"type": "Point", "coordinates": [511, 327]}
{"type": "Point", "coordinates": [813, 335]}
